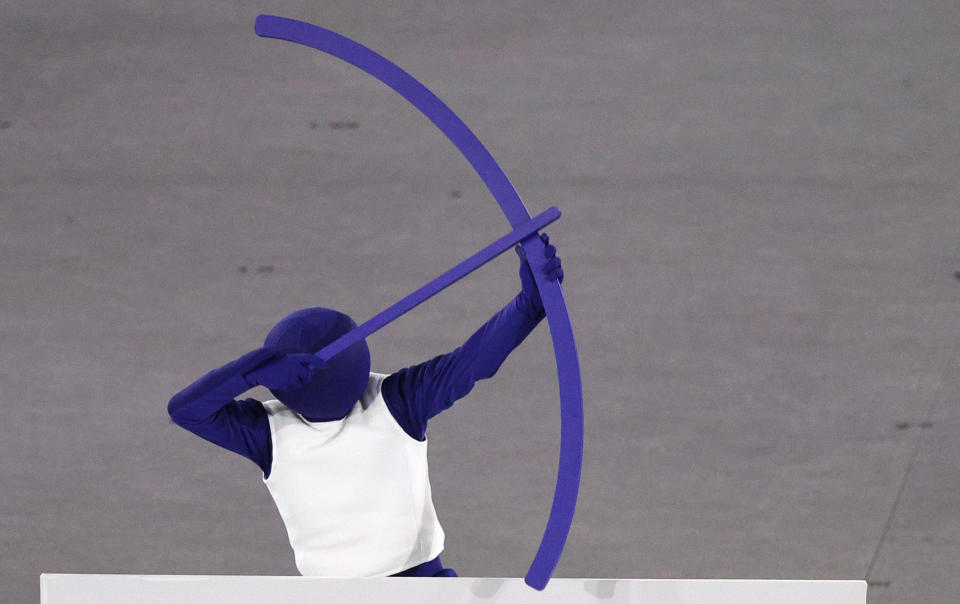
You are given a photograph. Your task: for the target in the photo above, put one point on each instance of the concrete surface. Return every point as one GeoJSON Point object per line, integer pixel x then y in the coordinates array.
{"type": "Point", "coordinates": [760, 237]}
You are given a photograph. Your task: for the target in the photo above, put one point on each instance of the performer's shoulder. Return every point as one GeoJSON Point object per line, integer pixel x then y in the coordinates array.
{"type": "Point", "coordinates": [374, 384]}
{"type": "Point", "coordinates": [273, 407]}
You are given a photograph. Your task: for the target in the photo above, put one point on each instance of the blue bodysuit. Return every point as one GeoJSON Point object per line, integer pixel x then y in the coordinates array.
{"type": "Point", "coordinates": [413, 395]}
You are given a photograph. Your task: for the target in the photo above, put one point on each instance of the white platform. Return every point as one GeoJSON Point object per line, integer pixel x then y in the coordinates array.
{"type": "Point", "coordinates": [171, 589]}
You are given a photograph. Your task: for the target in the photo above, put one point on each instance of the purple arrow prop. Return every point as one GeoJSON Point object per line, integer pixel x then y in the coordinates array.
{"type": "Point", "coordinates": [439, 284]}
{"type": "Point", "coordinates": [561, 330]}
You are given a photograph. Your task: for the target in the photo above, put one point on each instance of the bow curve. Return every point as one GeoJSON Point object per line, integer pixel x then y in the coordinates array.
{"type": "Point", "coordinates": [551, 293]}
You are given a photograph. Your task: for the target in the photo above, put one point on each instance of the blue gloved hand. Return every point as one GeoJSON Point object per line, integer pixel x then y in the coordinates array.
{"type": "Point", "coordinates": [552, 269]}
{"type": "Point", "coordinates": [286, 373]}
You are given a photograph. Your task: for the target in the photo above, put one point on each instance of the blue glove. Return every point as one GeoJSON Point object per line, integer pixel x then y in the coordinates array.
{"type": "Point", "coordinates": [289, 372]}
{"type": "Point", "coordinates": [552, 269]}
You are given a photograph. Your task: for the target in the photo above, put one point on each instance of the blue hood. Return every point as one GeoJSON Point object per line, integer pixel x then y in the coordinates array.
{"type": "Point", "coordinates": [335, 390]}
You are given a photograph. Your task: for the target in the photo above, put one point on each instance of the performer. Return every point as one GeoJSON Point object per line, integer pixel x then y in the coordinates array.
{"type": "Point", "coordinates": [343, 450]}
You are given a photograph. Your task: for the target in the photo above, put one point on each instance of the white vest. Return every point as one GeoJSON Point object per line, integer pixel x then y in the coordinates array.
{"type": "Point", "coordinates": [354, 494]}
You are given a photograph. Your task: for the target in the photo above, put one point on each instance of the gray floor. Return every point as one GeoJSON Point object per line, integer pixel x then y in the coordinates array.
{"type": "Point", "coordinates": [761, 229]}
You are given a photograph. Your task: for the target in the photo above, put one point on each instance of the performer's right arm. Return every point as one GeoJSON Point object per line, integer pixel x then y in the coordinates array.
{"type": "Point", "coordinates": [208, 409]}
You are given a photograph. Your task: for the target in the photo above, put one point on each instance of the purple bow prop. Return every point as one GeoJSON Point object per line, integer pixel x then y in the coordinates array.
{"type": "Point", "coordinates": [561, 331]}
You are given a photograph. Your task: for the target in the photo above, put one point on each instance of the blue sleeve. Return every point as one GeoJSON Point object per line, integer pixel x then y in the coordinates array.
{"type": "Point", "coordinates": [208, 409]}
{"type": "Point", "coordinates": [417, 393]}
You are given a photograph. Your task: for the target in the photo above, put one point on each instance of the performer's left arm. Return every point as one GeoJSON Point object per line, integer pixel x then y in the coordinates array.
{"type": "Point", "coordinates": [417, 393]}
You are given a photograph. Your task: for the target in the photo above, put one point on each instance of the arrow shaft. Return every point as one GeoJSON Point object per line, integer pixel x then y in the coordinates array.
{"type": "Point", "coordinates": [440, 283]}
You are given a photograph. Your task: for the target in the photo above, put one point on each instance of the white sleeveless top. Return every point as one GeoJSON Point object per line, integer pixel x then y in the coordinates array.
{"type": "Point", "coordinates": [354, 494]}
